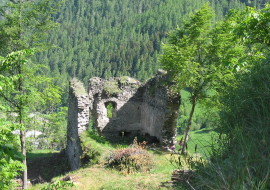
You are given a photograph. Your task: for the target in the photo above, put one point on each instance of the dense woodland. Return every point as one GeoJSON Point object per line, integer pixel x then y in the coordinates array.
{"type": "Point", "coordinates": [117, 38]}
{"type": "Point", "coordinates": [219, 56]}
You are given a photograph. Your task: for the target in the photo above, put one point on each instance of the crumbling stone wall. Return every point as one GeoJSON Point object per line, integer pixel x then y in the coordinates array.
{"type": "Point", "coordinates": [78, 120]}
{"type": "Point", "coordinates": [150, 110]}
{"type": "Point", "coordinates": [124, 94]}
{"type": "Point", "coordinates": [160, 109]}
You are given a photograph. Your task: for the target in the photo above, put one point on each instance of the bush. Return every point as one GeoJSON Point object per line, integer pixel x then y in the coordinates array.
{"type": "Point", "coordinates": [130, 160]}
{"type": "Point", "coordinates": [242, 161]}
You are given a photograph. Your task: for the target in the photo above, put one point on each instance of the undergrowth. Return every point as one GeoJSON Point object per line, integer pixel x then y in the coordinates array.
{"type": "Point", "coordinates": [131, 159]}
{"type": "Point", "coordinates": [242, 160]}
{"type": "Point", "coordinates": [93, 145]}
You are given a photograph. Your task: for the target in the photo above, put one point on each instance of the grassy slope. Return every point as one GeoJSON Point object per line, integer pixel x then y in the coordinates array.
{"type": "Point", "coordinates": [185, 108]}
{"type": "Point", "coordinates": [202, 139]}
{"type": "Point", "coordinates": [98, 177]}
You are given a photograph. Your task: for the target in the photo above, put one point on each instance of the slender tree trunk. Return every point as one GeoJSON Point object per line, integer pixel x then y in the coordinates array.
{"type": "Point", "coordinates": [184, 145]}
{"type": "Point", "coordinates": [22, 132]}
{"type": "Point", "coordinates": [23, 149]}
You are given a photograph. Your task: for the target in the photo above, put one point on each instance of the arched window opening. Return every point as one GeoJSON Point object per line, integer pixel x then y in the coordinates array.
{"type": "Point", "coordinates": [111, 109]}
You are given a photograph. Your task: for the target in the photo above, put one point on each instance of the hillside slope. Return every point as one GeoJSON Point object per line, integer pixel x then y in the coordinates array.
{"type": "Point", "coordinates": [117, 37]}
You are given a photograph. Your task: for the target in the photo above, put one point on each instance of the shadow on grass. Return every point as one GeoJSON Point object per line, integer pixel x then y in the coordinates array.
{"type": "Point", "coordinates": [203, 131]}
{"type": "Point", "coordinates": [42, 167]}
{"type": "Point", "coordinates": [158, 151]}
{"type": "Point", "coordinates": [98, 138]}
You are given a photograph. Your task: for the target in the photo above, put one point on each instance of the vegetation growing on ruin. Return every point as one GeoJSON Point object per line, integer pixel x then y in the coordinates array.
{"type": "Point", "coordinates": [111, 87]}
{"type": "Point", "coordinates": [78, 87]}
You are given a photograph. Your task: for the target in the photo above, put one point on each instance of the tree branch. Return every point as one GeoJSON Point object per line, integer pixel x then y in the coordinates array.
{"type": "Point", "coordinates": [9, 100]}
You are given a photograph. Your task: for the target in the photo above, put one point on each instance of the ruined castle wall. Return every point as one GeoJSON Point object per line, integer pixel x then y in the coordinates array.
{"type": "Point", "coordinates": [159, 106]}
{"type": "Point", "coordinates": [122, 93]}
{"type": "Point", "coordinates": [149, 109]}
{"type": "Point", "coordinates": [78, 119]}
{"type": "Point", "coordinates": [139, 109]}
{"type": "Point", "coordinates": [153, 109]}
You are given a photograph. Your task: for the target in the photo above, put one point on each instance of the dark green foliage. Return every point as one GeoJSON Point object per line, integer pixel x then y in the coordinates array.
{"type": "Point", "coordinates": [241, 159]}
{"type": "Point", "coordinates": [25, 24]}
{"type": "Point", "coordinates": [115, 38]}
{"type": "Point", "coordinates": [10, 157]}
{"type": "Point", "coordinates": [245, 121]}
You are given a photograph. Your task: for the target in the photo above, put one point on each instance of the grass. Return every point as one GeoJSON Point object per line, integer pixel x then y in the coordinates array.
{"type": "Point", "coordinates": [43, 165]}
{"type": "Point", "coordinates": [112, 88]}
{"type": "Point", "coordinates": [96, 176]}
{"type": "Point", "coordinates": [204, 113]}
{"type": "Point", "coordinates": [200, 141]}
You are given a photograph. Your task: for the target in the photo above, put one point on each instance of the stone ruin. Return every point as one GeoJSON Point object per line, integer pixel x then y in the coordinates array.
{"type": "Point", "coordinates": [122, 107]}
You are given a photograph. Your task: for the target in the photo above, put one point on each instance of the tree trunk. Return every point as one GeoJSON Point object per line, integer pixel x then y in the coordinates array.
{"type": "Point", "coordinates": [22, 132]}
{"type": "Point", "coordinates": [184, 145]}
{"type": "Point", "coordinates": [23, 149]}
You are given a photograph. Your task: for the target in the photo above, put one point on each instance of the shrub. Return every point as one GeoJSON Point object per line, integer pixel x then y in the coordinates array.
{"type": "Point", "coordinates": [131, 159]}
{"type": "Point", "coordinates": [242, 161]}
{"type": "Point", "coordinates": [93, 145]}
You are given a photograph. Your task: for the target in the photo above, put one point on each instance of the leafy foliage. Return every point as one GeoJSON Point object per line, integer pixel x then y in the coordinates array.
{"type": "Point", "coordinates": [241, 161]}
{"type": "Point", "coordinates": [10, 157]}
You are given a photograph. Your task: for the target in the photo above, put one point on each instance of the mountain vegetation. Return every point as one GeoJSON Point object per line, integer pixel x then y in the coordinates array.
{"type": "Point", "coordinates": [216, 55]}
{"type": "Point", "coordinates": [240, 161]}
{"type": "Point", "coordinates": [117, 38]}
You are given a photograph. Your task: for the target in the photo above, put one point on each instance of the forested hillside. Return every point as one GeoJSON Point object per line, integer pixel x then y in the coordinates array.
{"type": "Point", "coordinates": [118, 37]}
{"type": "Point", "coordinates": [222, 67]}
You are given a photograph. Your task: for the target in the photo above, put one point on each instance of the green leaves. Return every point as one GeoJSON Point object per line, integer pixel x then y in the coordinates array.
{"type": "Point", "coordinates": [25, 24]}
{"type": "Point", "coordinates": [185, 56]}
{"type": "Point", "coordinates": [10, 157]}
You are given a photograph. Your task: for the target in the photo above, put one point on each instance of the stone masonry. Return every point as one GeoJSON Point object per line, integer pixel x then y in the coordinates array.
{"type": "Point", "coordinates": [78, 121]}
{"type": "Point", "coordinates": [149, 110]}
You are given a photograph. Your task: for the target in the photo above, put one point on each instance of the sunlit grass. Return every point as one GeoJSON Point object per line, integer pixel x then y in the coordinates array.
{"type": "Point", "coordinates": [97, 176]}
{"type": "Point", "coordinates": [200, 141]}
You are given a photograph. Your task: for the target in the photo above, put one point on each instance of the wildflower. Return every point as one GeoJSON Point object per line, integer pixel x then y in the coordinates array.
{"type": "Point", "coordinates": [172, 148]}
